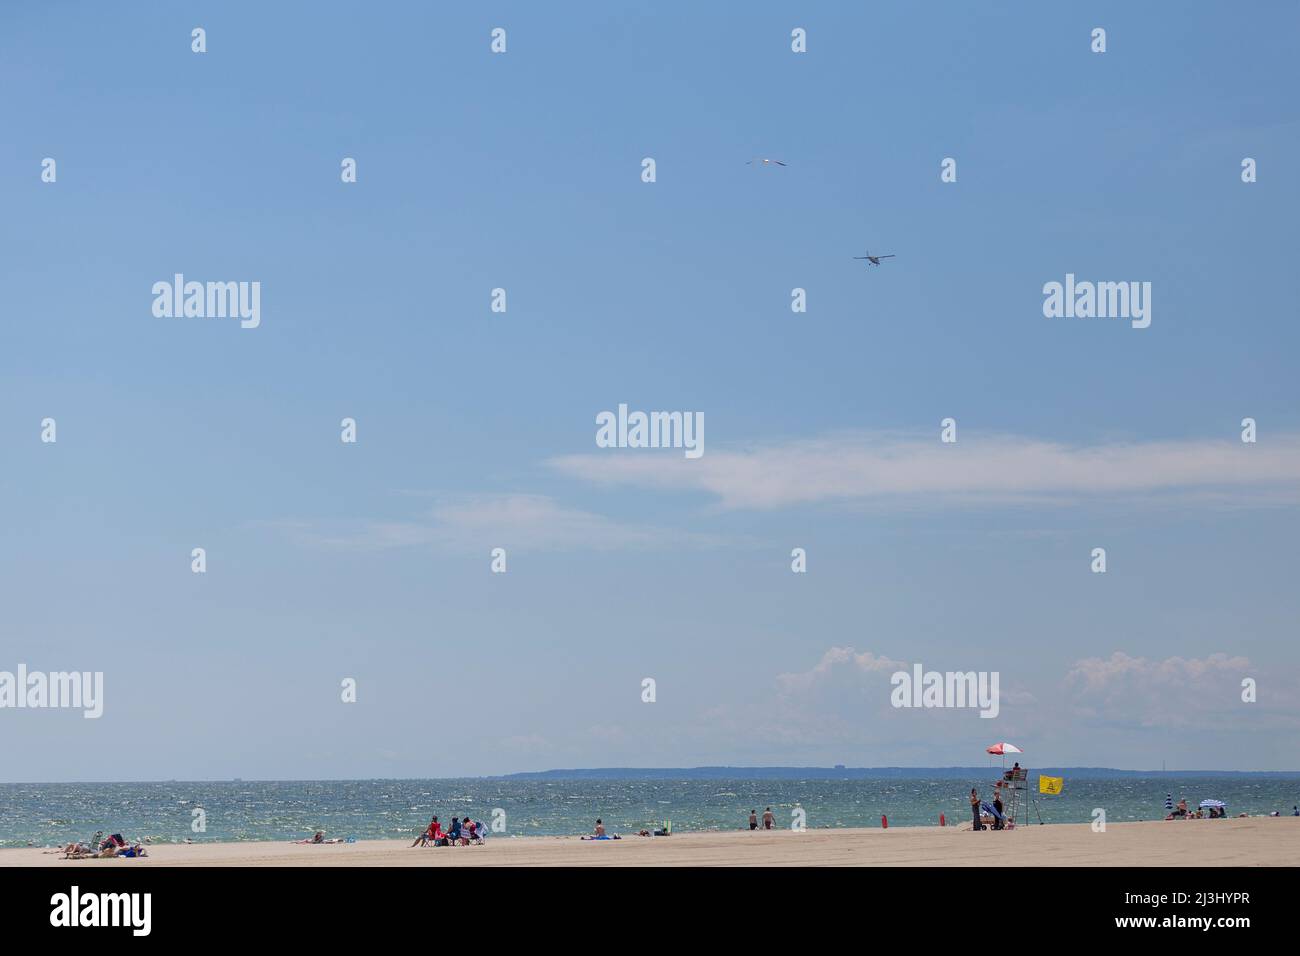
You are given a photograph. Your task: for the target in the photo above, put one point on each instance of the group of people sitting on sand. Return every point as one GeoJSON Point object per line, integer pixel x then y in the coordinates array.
{"type": "Point", "coordinates": [465, 832]}
{"type": "Point", "coordinates": [101, 848]}
{"type": "Point", "coordinates": [1181, 812]}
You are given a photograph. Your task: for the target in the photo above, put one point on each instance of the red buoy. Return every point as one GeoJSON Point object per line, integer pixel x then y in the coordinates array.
{"type": "Point", "coordinates": [884, 822]}
{"type": "Point", "coordinates": [942, 822]}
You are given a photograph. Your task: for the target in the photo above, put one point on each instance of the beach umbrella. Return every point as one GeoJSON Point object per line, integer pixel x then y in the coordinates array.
{"type": "Point", "coordinates": [1004, 748]}
{"type": "Point", "coordinates": [1169, 802]}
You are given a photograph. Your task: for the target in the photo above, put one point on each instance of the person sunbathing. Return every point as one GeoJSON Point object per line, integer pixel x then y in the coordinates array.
{"type": "Point", "coordinates": [318, 838]}
{"type": "Point", "coordinates": [600, 833]}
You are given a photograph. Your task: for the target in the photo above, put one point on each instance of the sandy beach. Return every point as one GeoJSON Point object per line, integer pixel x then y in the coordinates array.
{"type": "Point", "coordinates": [1256, 841]}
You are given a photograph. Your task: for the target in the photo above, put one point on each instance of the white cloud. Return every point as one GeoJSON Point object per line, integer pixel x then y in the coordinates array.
{"type": "Point", "coordinates": [517, 522]}
{"type": "Point", "coordinates": [1179, 693]}
{"type": "Point", "coordinates": [1104, 712]}
{"type": "Point", "coordinates": [833, 661]}
{"type": "Point", "coordinates": [978, 469]}
{"type": "Point", "coordinates": [841, 705]}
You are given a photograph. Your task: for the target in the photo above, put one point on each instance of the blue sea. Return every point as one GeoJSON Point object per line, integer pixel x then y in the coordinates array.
{"type": "Point", "coordinates": [49, 814]}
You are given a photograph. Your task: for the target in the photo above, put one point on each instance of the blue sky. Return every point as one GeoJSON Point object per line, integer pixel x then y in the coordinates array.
{"type": "Point", "coordinates": [476, 429]}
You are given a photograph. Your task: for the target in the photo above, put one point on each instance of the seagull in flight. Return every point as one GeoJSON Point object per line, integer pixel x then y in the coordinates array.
{"type": "Point", "coordinates": [874, 260]}
{"type": "Point", "coordinates": [765, 162]}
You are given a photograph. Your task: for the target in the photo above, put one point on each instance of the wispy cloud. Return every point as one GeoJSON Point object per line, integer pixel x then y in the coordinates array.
{"type": "Point", "coordinates": [978, 469]}
{"type": "Point", "coordinates": [517, 522]}
{"type": "Point", "coordinates": [842, 702]}
{"type": "Point", "coordinates": [1194, 694]}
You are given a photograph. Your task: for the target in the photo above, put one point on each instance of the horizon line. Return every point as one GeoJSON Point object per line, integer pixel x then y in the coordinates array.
{"type": "Point", "coordinates": [836, 769]}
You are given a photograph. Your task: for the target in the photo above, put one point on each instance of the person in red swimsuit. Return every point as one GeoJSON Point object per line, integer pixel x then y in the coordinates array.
{"type": "Point", "coordinates": [431, 835]}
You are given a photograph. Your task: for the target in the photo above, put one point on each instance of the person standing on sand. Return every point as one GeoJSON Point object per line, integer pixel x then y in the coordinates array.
{"type": "Point", "coordinates": [753, 819]}
{"type": "Point", "coordinates": [975, 808]}
{"type": "Point", "coordinates": [768, 819]}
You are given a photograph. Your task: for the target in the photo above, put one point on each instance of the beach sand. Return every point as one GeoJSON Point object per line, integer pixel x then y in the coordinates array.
{"type": "Point", "coordinates": [1256, 841]}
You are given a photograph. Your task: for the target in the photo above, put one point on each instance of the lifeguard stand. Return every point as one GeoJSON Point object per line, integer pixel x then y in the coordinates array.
{"type": "Point", "coordinates": [1016, 795]}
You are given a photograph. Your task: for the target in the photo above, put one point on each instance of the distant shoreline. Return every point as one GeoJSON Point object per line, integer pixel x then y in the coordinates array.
{"type": "Point", "coordinates": [714, 773]}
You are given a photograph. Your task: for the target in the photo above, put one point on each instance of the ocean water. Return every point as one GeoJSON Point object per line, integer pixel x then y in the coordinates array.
{"type": "Point", "coordinates": [49, 814]}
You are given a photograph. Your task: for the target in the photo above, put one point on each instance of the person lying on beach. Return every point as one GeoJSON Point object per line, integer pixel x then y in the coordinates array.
{"type": "Point", "coordinates": [318, 838]}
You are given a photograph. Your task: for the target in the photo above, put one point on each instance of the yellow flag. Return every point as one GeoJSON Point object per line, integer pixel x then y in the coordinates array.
{"type": "Point", "coordinates": [1050, 784]}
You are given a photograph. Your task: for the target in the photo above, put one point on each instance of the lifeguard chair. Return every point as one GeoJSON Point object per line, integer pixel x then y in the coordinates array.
{"type": "Point", "coordinates": [1014, 788]}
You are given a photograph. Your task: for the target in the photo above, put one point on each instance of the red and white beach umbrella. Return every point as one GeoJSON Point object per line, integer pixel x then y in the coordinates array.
{"type": "Point", "coordinates": [1004, 748]}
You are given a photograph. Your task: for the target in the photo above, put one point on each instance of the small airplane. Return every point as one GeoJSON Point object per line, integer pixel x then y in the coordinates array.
{"type": "Point", "coordinates": [765, 162]}
{"type": "Point", "coordinates": [874, 260]}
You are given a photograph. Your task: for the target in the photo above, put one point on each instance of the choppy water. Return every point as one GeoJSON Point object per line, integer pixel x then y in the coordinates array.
{"type": "Point", "coordinates": [47, 814]}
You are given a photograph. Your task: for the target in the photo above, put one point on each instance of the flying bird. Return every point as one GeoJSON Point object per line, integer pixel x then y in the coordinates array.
{"type": "Point", "coordinates": [874, 260]}
{"type": "Point", "coordinates": [765, 162]}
